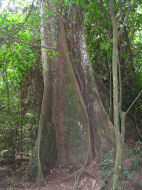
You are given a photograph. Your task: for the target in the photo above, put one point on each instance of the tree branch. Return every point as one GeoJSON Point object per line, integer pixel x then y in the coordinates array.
{"type": "Point", "coordinates": [134, 101]}
{"type": "Point", "coordinates": [19, 28]}
{"type": "Point", "coordinates": [31, 44]}
{"type": "Point", "coordinates": [126, 18]}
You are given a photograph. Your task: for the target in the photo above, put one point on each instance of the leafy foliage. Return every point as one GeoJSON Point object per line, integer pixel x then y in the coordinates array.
{"type": "Point", "coordinates": [98, 30]}
{"type": "Point", "coordinates": [18, 130]}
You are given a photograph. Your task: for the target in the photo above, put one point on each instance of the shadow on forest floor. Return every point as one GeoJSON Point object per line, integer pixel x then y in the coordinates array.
{"type": "Point", "coordinates": [94, 177]}
{"type": "Point", "coordinates": [57, 179]}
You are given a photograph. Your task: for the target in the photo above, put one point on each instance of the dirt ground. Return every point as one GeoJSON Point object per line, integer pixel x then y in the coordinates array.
{"type": "Point", "coordinates": [71, 178]}
{"type": "Point", "coordinates": [67, 178]}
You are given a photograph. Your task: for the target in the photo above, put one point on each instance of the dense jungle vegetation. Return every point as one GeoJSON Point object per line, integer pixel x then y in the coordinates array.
{"type": "Point", "coordinates": [70, 89]}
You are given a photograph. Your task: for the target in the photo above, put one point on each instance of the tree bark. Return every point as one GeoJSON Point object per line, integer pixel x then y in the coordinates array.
{"type": "Point", "coordinates": [116, 111]}
{"type": "Point", "coordinates": [74, 124]}
{"type": "Point", "coordinates": [95, 99]}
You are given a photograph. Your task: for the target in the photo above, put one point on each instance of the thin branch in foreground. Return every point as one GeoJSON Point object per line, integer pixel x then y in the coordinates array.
{"type": "Point", "coordinates": [134, 101]}
{"type": "Point", "coordinates": [140, 134]}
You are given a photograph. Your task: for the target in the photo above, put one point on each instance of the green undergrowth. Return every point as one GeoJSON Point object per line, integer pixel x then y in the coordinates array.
{"type": "Point", "coordinates": [131, 172]}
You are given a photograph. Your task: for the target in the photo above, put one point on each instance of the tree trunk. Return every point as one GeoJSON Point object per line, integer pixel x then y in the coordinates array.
{"type": "Point", "coordinates": [95, 98]}
{"type": "Point", "coordinates": [74, 123]}
{"type": "Point", "coordinates": [116, 108]}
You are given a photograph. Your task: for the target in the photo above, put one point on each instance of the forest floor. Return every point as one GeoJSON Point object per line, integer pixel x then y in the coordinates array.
{"type": "Point", "coordinates": [94, 177]}
{"type": "Point", "coordinates": [65, 178]}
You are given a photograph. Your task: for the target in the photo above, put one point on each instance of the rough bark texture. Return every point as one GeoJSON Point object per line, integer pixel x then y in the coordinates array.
{"type": "Point", "coordinates": [96, 102]}
{"type": "Point", "coordinates": [69, 113]}
{"type": "Point", "coordinates": [74, 124]}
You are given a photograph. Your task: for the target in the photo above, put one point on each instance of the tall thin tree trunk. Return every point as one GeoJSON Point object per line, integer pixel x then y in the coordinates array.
{"type": "Point", "coordinates": [115, 59]}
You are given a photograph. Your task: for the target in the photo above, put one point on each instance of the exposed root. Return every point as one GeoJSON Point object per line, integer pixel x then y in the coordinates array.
{"type": "Point", "coordinates": [78, 174]}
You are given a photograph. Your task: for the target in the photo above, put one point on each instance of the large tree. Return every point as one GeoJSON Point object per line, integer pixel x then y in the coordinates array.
{"type": "Point", "coordinates": [74, 123]}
